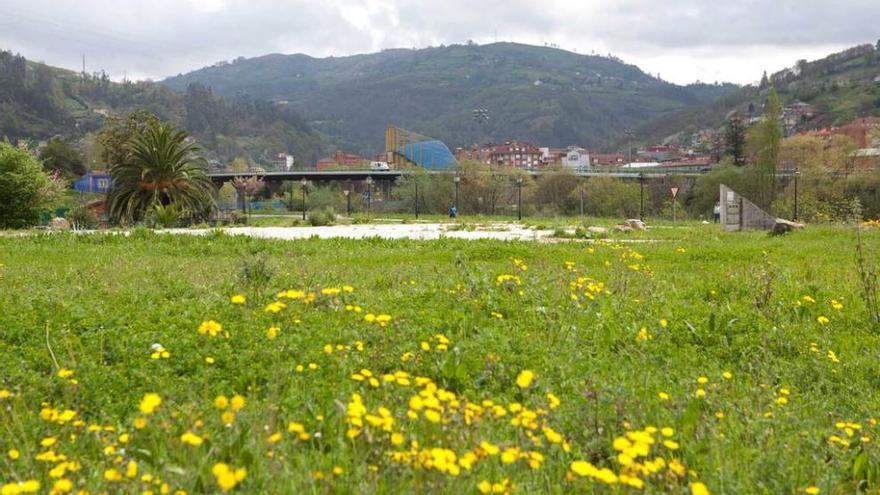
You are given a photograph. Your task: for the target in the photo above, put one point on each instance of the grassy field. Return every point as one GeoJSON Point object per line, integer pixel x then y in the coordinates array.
{"type": "Point", "coordinates": [703, 363]}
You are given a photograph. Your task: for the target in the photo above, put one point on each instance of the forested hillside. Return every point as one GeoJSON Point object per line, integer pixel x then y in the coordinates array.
{"type": "Point", "coordinates": [38, 102]}
{"type": "Point", "coordinates": [544, 95]}
{"type": "Point", "coordinates": [841, 87]}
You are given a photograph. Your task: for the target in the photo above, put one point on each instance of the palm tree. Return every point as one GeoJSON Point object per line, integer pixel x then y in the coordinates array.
{"type": "Point", "coordinates": [164, 168]}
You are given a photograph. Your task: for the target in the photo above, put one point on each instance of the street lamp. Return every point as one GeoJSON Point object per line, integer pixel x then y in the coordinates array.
{"type": "Point", "coordinates": [369, 182]}
{"type": "Point", "coordinates": [519, 182]}
{"type": "Point", "coordinates": [641, 196]}
{"type": "Point", "coordinates": [796, 174]}
{"type": "Point", "coordinates": [304, 183]}
{"type": "Point", "coordinates": [456, 180]}
{"type": "Point", "coordinates": [347, 194]}
{"type": "Point", "coordinates": [416, 183]}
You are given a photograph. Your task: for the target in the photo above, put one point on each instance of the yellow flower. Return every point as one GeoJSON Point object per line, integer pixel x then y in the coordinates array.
{"type": "Point", "coordinates": [13, 454]}
{"type": "Point", "coordinates": [149, 403]}
{"type": "Point", "coordinates": [237, 403]}
{"type": "Point", "coordinates": [812, 490]}
{"type": "Point", "coordinates": [227, 477]}
{"type": "Point", "coordinates": [822, 320]}
{"type": "Point", "coordinates": [700, 393]}
{"type": "Point", "coordinates": [221, 402]}
{"type": "Point", "coordinates": [65, 373]}
{"type": "Point", "coordinates": [237, 299]}
{"type": "Point", "coordinates": [525, 378]}
{"type": "Point", "coordinates": [112, 475]}
{"type": "Point", "coordinates": [63, 485]}
{"type": "Point", "coordinates": [663, 395]}
{"type": "Point", "coordinates": [210, 328]}
{"type": "Point", "coordinates": [275, 437]}
{"type": "Point", "coordinates": [667, 432]}
{"type": "Point", "coordinates": [272, 332]}
{"type": "Point", "coordinates": [191, 438]}
{"type": "Point", "coordinates": [664, 323]}
{"type": "Point", "coordinates": [698, 488]}
{"type": "Point", "coordinates": [48, 441]}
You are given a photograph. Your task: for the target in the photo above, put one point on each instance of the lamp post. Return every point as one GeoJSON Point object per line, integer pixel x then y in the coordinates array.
{"type": "Point", "coordinates": [416, 183]}
{"type": "Point", "coordinates": [456, 180]}
{"type": "Point", "coordinates": [347, 194]}
{"type": "Point", "coordinates": [582, 199]}
{"type": "Point", "coordinates": [369, 182]}
{"type": "Point", "coordinates": [796, 173]}
{"type": "Point", "coordinates": [304, 183]}
{"type": "Point", "coordinates": [641, 196]}
{"type": "Point", "coordinates": [519, 182]}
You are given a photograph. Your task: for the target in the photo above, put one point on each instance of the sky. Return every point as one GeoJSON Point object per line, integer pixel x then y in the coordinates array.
{"type": "Point", "coordinates": [683, 41]}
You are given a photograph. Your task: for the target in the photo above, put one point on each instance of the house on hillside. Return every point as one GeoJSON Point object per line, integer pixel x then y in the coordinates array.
{"type": "Point", "coordinates": [576, 158]}
{"type": "Point", "coordinates": [97, 182]}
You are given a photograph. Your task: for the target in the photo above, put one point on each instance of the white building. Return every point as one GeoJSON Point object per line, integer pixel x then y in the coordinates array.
{"type": "Point", "coordinates": [577, 159]}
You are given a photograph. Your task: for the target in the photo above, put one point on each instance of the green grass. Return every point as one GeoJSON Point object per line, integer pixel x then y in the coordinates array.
{"type": "Point", "coordinates": [95, 304]}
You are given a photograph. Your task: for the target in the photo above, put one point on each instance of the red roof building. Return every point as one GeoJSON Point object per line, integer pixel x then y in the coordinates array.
{"type": "Point", "coordinates": [341, 160]}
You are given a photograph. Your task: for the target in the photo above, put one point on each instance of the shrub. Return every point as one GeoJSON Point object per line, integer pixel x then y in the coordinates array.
{"type": "Point", "coordinates": [82, 218]}
{"type": "Point", "coordinates": [322, 217]}
{"type": "Point", "coordinates": [24, 188]}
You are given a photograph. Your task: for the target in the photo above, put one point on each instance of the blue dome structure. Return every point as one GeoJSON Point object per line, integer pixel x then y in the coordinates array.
{"type": "Point", "coordinates": [430, 155]}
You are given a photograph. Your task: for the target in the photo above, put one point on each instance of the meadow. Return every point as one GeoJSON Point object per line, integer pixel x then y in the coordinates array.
{"type": "Point", "coordinates": [701, 363]}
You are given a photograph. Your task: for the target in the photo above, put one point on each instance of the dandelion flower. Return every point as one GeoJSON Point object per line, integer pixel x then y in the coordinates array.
{"type": "Point", "coordinates": [237, 299]}
{"type": "Point", "coordinates": [525, 378]}
{"type": "Point", "coordinates": [150, 403]}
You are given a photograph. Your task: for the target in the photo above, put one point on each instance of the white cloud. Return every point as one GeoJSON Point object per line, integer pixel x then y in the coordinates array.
{"type": "Point", "coordinates": [683, 40]}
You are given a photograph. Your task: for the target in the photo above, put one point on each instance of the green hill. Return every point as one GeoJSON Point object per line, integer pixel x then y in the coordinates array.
{"type": "Point", "coordinates": [841, 87]}
{"type": "Point", "coordinates": [38, 102]}
{"type": "Point", "coordinates": [544, 95]}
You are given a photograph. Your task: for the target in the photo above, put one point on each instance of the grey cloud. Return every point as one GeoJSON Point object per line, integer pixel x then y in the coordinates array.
{"type": "Point", "coordinates": [157, 38]}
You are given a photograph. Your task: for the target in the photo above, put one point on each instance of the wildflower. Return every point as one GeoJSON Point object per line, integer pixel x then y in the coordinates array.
{"type": "Point", "coordinates": [48, 441]}
{"type": "Point", "coordinates": [811, 490]}
{"type": "Point", "coordinates": [782, 401]}
{"type": "Point", "coordinates": [209, 360]}
{"type": "Point", "coordinates": [237, 403]}
{"type": "Point", "coordinates": [663, 396]}
{"type": "Point", "coordinates": [553, 400]}
{"type": "Point", "coordinates": [191, 439]}
{"type": "Point", "coordinates": [822, 320]}
{"type": "Point", "coordinates": [698, 488]}
{"type": "Point", "coordinates": [210, 328]}
{"type": "Point", "coordinates": [702, 380]}
{"type": "Point", "coordinates": [65, 373]}
{"type": "Point", "coordinates": [112, 475]}
{"type": "Point", "coordinates": [836, 305]}
{"type": "Point", "coordinates": [525, 378]}
{"type": "Point", "coordinates": [5, 394]}
{"type": "Point", "coordinates": [664, 323]}
{"type": "Point", "coordinates": [667, 432]}
{"type": "Point", "coordinates": [272, 332]}
{"type": "Point", "coordinates": [63, 485]}
{"type": "Point", "coordinates": [275, 437]}
{"type": "Point", "coordinates": [727, 375]}
{"type": "Point", "coordinates": [700, 393]}
{"type": "Point", "coordinates": [221, 402]}
{"type": "Point", "coordinates": [275, 307]}
{"type": "Point", "coordinates": [150, 403]}
{"type": "Point", "coordinates": [643, 335]}
{"type": "Point", "coordinates": [237, 299]}
{"type": "Point", "coordinates": [227, 477]}
{"type": "Point", "coordinates": [13, 454]}
{"type": "Point", "coordinates": [30, 486]}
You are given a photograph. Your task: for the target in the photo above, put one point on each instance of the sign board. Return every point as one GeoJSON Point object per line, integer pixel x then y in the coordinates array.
{"type": "Point", "coordinates": [674, 192]}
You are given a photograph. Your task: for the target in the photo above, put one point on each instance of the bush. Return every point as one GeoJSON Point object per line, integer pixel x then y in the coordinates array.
{"type": "Point", "coordinates": [24, 188]}
{"type": "Point", "coordinates": [82, 218]}
{"type": "Point", "coordinates": [322, 217]}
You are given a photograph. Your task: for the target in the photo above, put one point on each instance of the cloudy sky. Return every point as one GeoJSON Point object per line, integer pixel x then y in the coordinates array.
{"type": "Point", "coordinates": [682, 40]}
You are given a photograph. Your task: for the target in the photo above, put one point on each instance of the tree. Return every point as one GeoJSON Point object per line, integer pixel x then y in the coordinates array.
{"type": "Point", "coordinates": [61, 157]}
{"type": "Point", "coordinates": [765, 81]}
{"type": "Point", "coordinates": [162, 166]}
{"type": "Point", "coordinates": [763, 143]}
{"type": "Point", "coordinates": [735, 139]}
{"type": "Point", "coordinates": [25, 188]}
{"type": "Point", "coordinates": [117, 134]}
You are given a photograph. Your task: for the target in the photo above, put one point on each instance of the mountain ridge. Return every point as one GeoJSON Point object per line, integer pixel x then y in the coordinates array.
{"type": "Point", "coordinates": [539, 94]}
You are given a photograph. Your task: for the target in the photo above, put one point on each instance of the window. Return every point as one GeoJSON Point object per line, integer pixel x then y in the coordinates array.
{"type": "Point", "coordinates": [103, 183]}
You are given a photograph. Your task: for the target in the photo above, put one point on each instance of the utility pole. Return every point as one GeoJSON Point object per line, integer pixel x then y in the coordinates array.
{"type": "Point", "coordinates": [416, 182]}
{"type": "Point", "coordinates": [519, 182]}
{"type": "Point", "coordinates": [796, 173]}
{"type": "Point", "coordinates": [641, 196]}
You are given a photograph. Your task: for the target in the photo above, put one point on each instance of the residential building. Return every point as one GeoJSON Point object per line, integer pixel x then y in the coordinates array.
{"type": "Point", "coordinates": [341, 160]}
{"type": "Point", "coordinates": [284, 161]}
{"type": "Point", "coordinates": [608, 159]}
{"type": "Point", "coordinates": [93, 182]}
{"type": "Point", "coordinates": [576, 158]}
{"type": "Point", "coordinates": [517, 154]}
